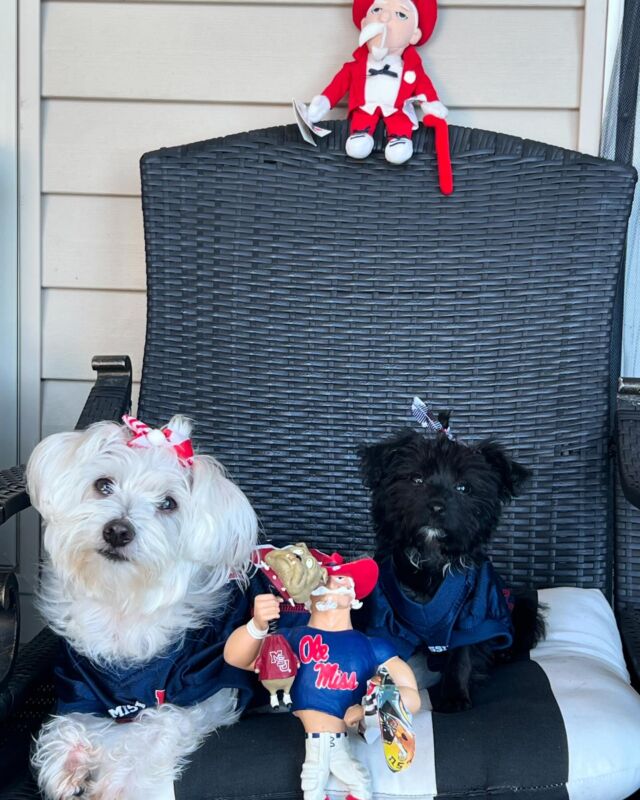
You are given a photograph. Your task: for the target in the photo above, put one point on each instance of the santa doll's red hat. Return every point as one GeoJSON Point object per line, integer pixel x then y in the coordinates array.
{"type": "Point", "coordinates": [427, 15]}
{"type": "Point", "coordinates": [364, 572]}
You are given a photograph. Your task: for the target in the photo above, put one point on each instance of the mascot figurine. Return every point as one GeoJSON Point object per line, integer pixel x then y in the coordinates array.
{"type": "Point", "coordinates": [336, 662]}
{"type": "Point", "coordinates": [293, 572]}
{"type": "Point", "coordinates": [385, 79]}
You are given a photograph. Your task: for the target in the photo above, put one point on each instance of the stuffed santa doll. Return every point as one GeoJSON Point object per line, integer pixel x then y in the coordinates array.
{"type": "Point", "coordinates": [385, 79]}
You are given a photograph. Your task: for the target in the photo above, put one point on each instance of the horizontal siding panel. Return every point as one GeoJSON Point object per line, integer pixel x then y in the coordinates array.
{"type": "Point", "coordinates": [494, 57]}
{"type": "Point", "coordinates": [92, 243]}
{"type": "Point", "coordinates": [93, 147]}
{"type": "Point", "coordinates": [78, 324]}
{"type": "Point", "coordinates": [62, 402]}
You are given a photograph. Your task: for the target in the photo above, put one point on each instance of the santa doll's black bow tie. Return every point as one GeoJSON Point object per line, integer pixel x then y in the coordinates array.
{"type": "Point", "coordinates": [386, 70]}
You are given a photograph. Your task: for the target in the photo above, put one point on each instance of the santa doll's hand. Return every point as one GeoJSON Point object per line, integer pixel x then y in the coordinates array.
{"type": "Point", "coordinates": [353, 715]}
{"type": "Point", "coordinates": [319, 107]}
{"type": "Point", "coordinates": [434, 108]}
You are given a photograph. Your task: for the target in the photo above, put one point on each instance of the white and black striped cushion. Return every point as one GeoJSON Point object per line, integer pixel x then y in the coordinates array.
{"type": "Point", "coordinates": [563, 725]}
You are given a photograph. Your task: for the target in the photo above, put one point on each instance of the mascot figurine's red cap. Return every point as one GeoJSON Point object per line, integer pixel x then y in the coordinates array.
{"type": "Point", "coordinates": [363, 571]}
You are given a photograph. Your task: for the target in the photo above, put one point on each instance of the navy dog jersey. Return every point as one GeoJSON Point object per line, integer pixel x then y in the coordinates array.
{"type": "Point", "coordinates": [334, 667]}
{"type": "Point", "coordinates": [186, 674]}
{"type": "Point", "coordinates": [469, 607]}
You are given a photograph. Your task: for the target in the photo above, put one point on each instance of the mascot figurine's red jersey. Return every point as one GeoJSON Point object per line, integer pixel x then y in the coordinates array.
{"type": "Point", "coordinates": [385, 79]}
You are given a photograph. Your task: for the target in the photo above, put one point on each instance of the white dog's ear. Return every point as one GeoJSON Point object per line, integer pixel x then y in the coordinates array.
{"type": "Point", "coordinates": [224, 528]}
{"type": "Point", "coordinates": [181, 425]}
{"type": "Point", "coordinates": [59, 455]}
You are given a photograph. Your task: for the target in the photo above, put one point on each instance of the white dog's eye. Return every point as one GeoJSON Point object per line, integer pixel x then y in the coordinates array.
{"type": "Point", "coordinates": [417, 479]}
{"type": "Point", "coordinates": [104, 486]}
{"type": "Point", "coordinates": [462, 487]}
{"type": "Point", "coordinates": [168, 504]}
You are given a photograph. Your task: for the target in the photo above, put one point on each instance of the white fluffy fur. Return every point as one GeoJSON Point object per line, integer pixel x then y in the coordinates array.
{"type": "Point", "coordinates": [126, 612]}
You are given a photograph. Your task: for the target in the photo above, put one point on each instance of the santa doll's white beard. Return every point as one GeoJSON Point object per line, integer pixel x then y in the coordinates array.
{"type": "Point", "coordinates": [369, 32]}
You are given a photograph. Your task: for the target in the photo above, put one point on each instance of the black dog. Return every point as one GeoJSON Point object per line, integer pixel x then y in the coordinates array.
{"type": "Point", "coordinates": [435, 504]}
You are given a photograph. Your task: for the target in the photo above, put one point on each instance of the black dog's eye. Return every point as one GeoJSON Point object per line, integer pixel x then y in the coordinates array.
{"type": "Point", "coordinates": [168, 504]}
{"type": "Point", "coordinates": [417, 479]}
{"type": "Point", "coordinates": [104, 486]}
{"type": "Point", "coordinates": [462, 487]}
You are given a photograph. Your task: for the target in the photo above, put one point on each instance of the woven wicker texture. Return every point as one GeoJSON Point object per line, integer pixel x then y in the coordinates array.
{"type": "Point", "coordinates": [13, 493]}
{"type": "Point", "coordinates": [627, 543]}
{"type": "Point", "coordinates": [298, 300]}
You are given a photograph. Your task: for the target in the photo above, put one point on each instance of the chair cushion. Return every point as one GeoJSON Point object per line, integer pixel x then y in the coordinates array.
{"type": "Point", "coordinates": [563, 724]}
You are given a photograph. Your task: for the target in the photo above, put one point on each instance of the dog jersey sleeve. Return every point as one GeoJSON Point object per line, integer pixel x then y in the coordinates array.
{"type": "Point", "coordinates": [198, 670]}
{"type": "Point", "coordinates": [75, 690]}
{"type": "Point", "coordinates": [383, 624]}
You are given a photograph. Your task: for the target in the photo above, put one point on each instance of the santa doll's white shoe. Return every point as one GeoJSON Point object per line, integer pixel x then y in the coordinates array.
{"type": "Point", "coordinates": [359, 145]}
{"type": "Point", "coordinates": [398, 150]}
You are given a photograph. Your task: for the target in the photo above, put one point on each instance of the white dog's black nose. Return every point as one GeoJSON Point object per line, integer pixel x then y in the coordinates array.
{"type": "Point", "coordinates": [118, 532]}
{"type": "Point", "coordinates": [435, 506]}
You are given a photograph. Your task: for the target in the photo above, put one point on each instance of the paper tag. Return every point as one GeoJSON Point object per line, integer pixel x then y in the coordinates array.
{"type": "Point", "coordinates": [305, 126]}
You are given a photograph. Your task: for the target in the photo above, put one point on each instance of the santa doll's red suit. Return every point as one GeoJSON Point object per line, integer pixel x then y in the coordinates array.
{"type": "Point", "coordinates": [385, 79]}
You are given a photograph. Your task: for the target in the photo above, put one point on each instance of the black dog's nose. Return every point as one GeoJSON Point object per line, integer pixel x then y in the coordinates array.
{"type": "Point", "coordinates": [118, 532]}
{"type": "Point", "coordinates": [436, 506]}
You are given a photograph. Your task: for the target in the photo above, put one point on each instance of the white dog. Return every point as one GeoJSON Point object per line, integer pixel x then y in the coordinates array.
{"type": "Point", "coordinates": [142, 540]}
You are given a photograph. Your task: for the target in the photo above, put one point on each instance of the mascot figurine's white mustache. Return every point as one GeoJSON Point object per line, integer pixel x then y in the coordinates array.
{"type": "Point", "coordinates": [386, 79]}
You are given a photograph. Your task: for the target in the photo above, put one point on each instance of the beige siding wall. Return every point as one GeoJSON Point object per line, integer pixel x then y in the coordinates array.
{"type": "Point", "coordinates": [121, 78]}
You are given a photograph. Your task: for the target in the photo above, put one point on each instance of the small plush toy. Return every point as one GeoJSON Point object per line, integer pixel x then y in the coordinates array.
{"type": "Point", "coordinates": [335, 664]}
{"type": "Point", "coordinates": [385, 80]}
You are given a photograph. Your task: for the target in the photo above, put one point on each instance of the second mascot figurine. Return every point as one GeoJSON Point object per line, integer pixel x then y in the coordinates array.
{"type": "Point", "coordinates": [335, 665]}
{"type": "Point", "coordinates": [385, 79]}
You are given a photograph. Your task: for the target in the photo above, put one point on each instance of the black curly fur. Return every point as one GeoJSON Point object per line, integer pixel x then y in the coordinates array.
{"type": "Point", "coordinates": [421, 484]}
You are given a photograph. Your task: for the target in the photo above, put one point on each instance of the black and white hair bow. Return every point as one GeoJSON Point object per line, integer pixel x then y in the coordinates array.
{"type": "Point", "coordinates": [425, 417]}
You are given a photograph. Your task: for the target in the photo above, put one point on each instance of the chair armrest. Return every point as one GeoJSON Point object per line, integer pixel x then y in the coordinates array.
{"type": "Point", "coordinates": [629, 625]}
{"type": "Point", "coordinates": [110, 396]}
{"type": "Point", "coordinates": [9, 624]}
{"type": "Point", "coordinates": [13, 492]}
{"type": "Point", "coordinates": [628, 438]}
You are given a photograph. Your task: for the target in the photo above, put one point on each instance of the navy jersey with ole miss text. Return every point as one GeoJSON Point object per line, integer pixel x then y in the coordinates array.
{"type": "Point", "coordinates": [469, 607]}
{"type": "Point", "coordinates": [185, 674]}
{"type": "Point", "coordinates": [334, 667]}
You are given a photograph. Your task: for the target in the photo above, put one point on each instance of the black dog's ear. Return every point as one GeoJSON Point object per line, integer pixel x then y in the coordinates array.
{"type": "Point", "coordinates": [374, 458]}
{"type": "Point", "coordinates": [513, 475]}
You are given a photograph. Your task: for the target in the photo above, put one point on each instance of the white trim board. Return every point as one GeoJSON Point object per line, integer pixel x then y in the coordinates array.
{"type": "Point", "coordinates": [592, 76]}
{"type": "Point", "coordinates": [8, 256]}
{"type": "Point", "coordinates": [29, 250]}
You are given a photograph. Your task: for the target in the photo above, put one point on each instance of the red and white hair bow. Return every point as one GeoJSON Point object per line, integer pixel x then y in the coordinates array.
{"type": "Point", "coordinates": [145, 436]}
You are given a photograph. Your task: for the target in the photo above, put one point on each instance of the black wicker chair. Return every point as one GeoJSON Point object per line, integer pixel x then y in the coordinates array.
{"type": "Point", "coordinates": [298, 300]}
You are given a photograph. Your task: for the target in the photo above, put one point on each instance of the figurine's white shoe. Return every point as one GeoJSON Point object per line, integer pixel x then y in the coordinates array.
{"type": "Point", "coordinates": [398, 150]}
{"type": "Point", "coordinates": [286, 698]}
{"type": "Point", "coordinates": [273, 700]}
{"type": "Point", "coordinates": [359, 145]}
